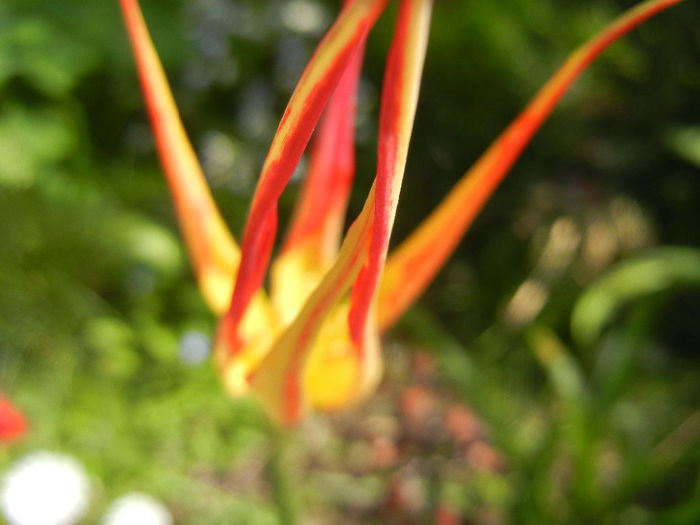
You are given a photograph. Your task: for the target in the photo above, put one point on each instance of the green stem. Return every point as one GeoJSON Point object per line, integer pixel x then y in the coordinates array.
{"type": "Point", "coordinates": [279, 475]}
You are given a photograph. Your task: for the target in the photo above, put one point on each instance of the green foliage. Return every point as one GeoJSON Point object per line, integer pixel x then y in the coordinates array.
{"type": "Point", "coordinates": [650, 273]}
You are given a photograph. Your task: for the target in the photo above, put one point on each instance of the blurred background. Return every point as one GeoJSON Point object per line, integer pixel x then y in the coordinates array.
{"type": "Point", "coordinates": [549, 375]}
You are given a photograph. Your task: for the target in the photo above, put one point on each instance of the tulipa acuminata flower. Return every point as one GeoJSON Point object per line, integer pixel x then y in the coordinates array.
{"type": "Point", "coordinates": [313, 340]}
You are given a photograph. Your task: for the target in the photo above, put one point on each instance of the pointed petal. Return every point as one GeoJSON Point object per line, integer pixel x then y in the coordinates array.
{"type": "Point", "coordinates": [279, 381]}
{"type": "Point", "coordinates": [213, 252]}
{"type": "Point", "coordinates": [320, 77]}
{"type": "Point", "coordinates": [399, 100]}
{"type": "Point", "coordinates": [330, 354]}
{"type": "Point", "coordinates": [415, 262]}
{"type": "Point", "coordinates": [314, 236]}
{"type": "Point", "coordinates": [320, 210]}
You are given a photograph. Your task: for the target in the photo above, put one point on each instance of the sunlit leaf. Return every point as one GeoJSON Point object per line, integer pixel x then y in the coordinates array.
{"type": "Point", "coordinates": [657, 270]}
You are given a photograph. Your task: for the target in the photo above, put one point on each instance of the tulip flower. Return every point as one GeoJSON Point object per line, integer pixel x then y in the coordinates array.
{"type": "Point", "coordinates": [313, 339]}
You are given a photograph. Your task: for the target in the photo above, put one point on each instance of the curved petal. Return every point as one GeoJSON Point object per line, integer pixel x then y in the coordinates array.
{"type": "Point", "coordinates": [320, 77]}
{"type": "Point", "coordinates": [330, 354]}
{"type": "Point", "coordinates": [212, 250]}
{"type": "Point", "coordinates": [279, 381]}
{"type": "Point", "coordinates": [397, 112]}
{"type": "Point", "coordinates": [320, 209]}
{"type": "Point", "coordinates": [316, 228]}
{"type": "Point", "coordinates": [412, 266]}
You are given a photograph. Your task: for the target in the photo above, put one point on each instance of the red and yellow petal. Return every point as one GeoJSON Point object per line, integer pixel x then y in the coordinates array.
{"type": "Point", "coordinates": [314, 236]}
{"type": "Point", "coordinates": [279, 381]}
{"type": "Point", "coordinates": [212, 250]}
{"type": "Point", "coordinates": [398, 106]}
{"type": "Point", "coordinates": [329, 356]}
{"type": "Point", "coordinates": [322, 74]}
{"type": "Point", "coordinates": [412, 266]}
{"type": "Point", "coordinates": [320, 210]}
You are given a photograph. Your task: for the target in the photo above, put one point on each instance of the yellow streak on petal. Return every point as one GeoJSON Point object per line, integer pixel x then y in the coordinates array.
{"type": "Point", "coordinates": [337, 39]}
{"type": "Point", "coordinates": [415, 262]}
{"type": "Point", "coordinates": [294, 275]}
{"type": "Point", "coordinates": [259, 328]}
{"type": "Point", "coordinates": [332, 374]}
{"type": "Point", "coordinates": [286, 361]}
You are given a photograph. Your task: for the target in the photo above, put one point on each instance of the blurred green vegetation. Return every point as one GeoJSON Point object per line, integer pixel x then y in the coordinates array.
{"type": "Point", "coordinates": [567, 321]}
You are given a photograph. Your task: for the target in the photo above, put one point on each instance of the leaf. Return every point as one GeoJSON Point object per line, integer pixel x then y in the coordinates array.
{"type": "Point", "coordinates": [30, 142]}
{"type": "Point", "coordinates": [50, 60]}
{"type": "Point", "coordinates": [686, 143]}
{"type": "Point", "coordinates": [655, 271]}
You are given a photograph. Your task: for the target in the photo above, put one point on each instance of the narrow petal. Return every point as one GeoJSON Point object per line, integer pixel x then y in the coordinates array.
{"type": "Point", "coordinates": [399, 99]}
{"type": "Point", "coordinates": [320, 210]}
{"type": "Point", "coordinates": [415, 262]}
{"type": "Point", "coordinates": [315, 233]}
{"type": "Point", "coordinates": [318, 81]}
{"type": "Point", "coordinates": [329, 356]}
{"type": "Point", "coordinates": [279, 381]}
{"type": "Point", "coordinates": [213, 252]}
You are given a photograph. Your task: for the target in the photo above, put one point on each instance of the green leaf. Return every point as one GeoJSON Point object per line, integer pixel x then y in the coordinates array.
{"type": "Point", "coordinates": [686, 143]}
{"type": "Point", "coordinates": [655, 271]}
{"type": "Point", "coordinates": [30, 141]}
{"type": "Point", "coordinates": [48, 59]}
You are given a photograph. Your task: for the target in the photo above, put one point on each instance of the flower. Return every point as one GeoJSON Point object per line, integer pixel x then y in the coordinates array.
{"type": "Point", "coordinates": [44, 488]}
{"type": "Point", "coordinates": [12, 422]}
{"type": "Point", "coordinates": [137, 507]}
{"type": "Point", "coordinates": [313, 341]}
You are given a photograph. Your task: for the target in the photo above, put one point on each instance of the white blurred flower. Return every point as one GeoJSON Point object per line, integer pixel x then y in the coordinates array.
{"type": "Point", "coordinates": [137, 508]}
{"type": "Point", "coordinates": [44, 488]}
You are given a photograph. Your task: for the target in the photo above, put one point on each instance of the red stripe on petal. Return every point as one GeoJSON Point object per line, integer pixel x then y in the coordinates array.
{"type": "Point", "coordinates": [315, 87]}
{"type": "Point", "coordinates": [399, 99]}
{"type": "Point", "coordinates": [324, 195]}
{"type": "Point", "coordinates": [213, 252]}
{"type": "Point", "coordinates": [415, 262]}
{"type": "Point", "coordinates": [278, 377]}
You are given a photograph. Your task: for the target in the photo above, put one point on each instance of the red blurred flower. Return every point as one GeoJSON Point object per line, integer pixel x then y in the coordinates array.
{"type": "Point", "coordinates": [12, 423]}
